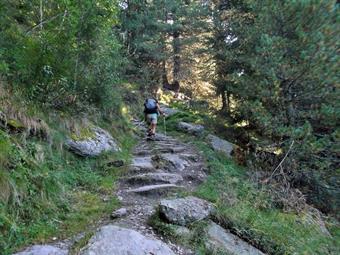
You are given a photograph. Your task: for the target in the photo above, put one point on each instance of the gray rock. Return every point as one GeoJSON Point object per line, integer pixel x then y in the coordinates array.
{"type": "Point", "coordinates": [155, 178]}
{"type": "Point", "coordinates": [155, 190]}
{"type": "Point", "coordinates": [193, 129]}
{"type": "Point", "coordinates": [119, 213]}
{"type": "Point", "coordinates": [142, 163]}
{"type": "Point", "coordinates": [92, 147]}
{"type": "Point", "coordinates": [221, 145]}
{"type": "Point", "coordinates": [168, 111]}
{"type": "Point", "coordinates": [121, 241]}
{"type": "Point", "coordinates": [174, 161]}
{"type": "Point", "coordinates": [43, 250]}
{"type": "Point", "coordinates": [183, 211]}
{"type": "Point", "coordinates": [220, 239]}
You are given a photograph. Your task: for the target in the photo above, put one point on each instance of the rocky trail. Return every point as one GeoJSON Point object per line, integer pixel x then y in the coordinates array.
{"type": "Point", "coordinates": [161, 173]}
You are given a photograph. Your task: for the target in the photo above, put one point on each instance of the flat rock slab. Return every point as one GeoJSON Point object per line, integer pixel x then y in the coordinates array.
{"type": "Point", "coordinates": [43, 250]}
{"type": "Point", "coordinates": [190, 128]}
{"type": "Point", "coordinates": [175, 162]}
{"type": "Point", "coordinates": [154, 190]}
{"type": "Point", "coordinates": [221, 145]}
{"type": "Point", "coordinates": [101, 142]}
{"type": "Point", "coordinates": [220, 240]}
{"type": "Point", "coordinates": [183, 211]}
{"type": "Point", "coordinates": [121, 241]}
{"type": "Point", "coordinates": [155, 178]}
{"type": "Point", "coordinates": [142, 163]}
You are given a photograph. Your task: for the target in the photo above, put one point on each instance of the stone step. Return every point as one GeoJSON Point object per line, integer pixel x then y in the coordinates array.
{"type": "Point", "coordinates": [155, 190]}
{"type": "Point", "coordinates": [42, 250]}
{"type": "Point", "coordinates": [116, 240]}
{"type": "Point", "coordinates": [159, 149]}
{"type": "Point", "coordinates": [154, 178]}
{"type": "Point", "coordinates": [142, 163]}
{"type": "Point", "coordinates": [173, 162]}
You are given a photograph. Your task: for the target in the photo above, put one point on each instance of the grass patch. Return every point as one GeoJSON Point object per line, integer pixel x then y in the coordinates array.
{"type": "Point", "coordinates": [250, 213]}
{"type": "Point", "coordinates": [48, 192]}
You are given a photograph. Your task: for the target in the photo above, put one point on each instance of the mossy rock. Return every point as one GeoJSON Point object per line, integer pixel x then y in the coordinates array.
{"type": "Point", "coordinates": [83, 134]}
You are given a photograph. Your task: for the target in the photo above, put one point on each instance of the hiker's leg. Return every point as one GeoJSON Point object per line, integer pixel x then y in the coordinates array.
{"type": "Point", "coordinates": [153, 128]}
{"type": "Point", "coordinates": [153, 123]}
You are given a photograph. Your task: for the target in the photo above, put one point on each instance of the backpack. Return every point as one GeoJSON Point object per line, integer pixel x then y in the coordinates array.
{"type": "Point", "coordinates": [150, 105]}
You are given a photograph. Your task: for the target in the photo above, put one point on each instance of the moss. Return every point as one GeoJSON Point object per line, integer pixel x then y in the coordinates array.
{"type": "Point", "coordinates": [16, 124]}
{"type": "Point", "coordinates": [83, 134]}
{"type": "Point", "coordinates": [5, 149]}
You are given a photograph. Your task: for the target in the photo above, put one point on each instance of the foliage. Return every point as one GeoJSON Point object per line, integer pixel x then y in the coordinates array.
{"type": "Point", "coordinates": [250, 213]}
{"type": "Point", "coordinates": [158, 36]}
{"type": "Point", "coordinates": [48, 192]}
{"type": "Point", "coordinates": [61, 54]}
{"type": "Point", "coordinates": [276, 66]}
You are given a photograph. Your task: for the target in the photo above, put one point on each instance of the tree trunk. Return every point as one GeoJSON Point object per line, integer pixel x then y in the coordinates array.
{"type": "Point", "coordinates": [165, 80]}
{"type": "Point", "coordinates": [224, 101]}
{"type": "Point", "coordinates": [176, 54]}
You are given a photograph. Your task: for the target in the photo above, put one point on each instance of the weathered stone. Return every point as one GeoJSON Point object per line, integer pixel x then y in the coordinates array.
{"type": "Point", "coordinates": [153, 178]}
{"type": "Point", "coordinates": [183, 211]}
{"type": "Point", "coordinates": [119, 213]}
{"type": "Point", "coordinates": [142, 163]}
{"type": "Point", "coordinates": [174, 162]}
{"type": "Point", "coordinates": [154, 190]}
{"type": "Point", "coordinates": [168, 111]}
{"type": "Point", "coordinates": [220, 240]}
{"type": "Point", "coordinates": [221, 145]}
{"type": "Point", "coordinates": [101, 142]}
{"type": "Point", "coordinates": [193, 129]}
{"type": "Point", "coordinates": [121, 241]}
{"type": "Point", "coordinates": [43, 250]}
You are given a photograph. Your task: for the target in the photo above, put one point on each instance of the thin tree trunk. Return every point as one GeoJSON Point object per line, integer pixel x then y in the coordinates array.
{"type": "Point", "coordinates": [41, 14]}
{"type": "Point", "coordinates": [176, 53]}
{"type": "Point", "coordinates": [224, 101]}
{"type": "Point", "coordinates": [165, 80]}
{"type": "Point", "coordinates": [177, 58]}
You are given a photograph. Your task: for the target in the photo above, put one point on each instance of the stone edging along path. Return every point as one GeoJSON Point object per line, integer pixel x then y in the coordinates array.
{"type": "Point", "coordinates": [160, 169]}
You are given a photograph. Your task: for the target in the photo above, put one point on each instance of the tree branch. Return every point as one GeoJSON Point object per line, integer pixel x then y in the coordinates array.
{"type": "Point", "coordinates": [43, 22]}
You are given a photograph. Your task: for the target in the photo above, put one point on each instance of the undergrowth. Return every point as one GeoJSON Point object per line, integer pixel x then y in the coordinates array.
{"type": "Point", "coordinates": [249, 211]}
{"type": "Point", "coordinates": [48, 192]}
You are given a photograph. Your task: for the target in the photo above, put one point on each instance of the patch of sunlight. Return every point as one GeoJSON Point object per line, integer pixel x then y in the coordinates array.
{"type": "Point", "coordinates": [124, 110]}
{"type": "Point", "coordinates": [243, 123]}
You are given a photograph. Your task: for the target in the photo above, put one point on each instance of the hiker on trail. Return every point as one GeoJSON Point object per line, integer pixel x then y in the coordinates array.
{"type": "Point", "coordinates": [151, 112]}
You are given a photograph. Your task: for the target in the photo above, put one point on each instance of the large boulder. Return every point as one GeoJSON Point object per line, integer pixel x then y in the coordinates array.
{"type": "Point", "coordinates": [193, 129]}
{"type": "Point", "coordinates": [43, 250]}
{"type": "Point", "coordinates": [99, 141]}
{"type": "Point", "coordinates": [220, 240]}
{"type": "Point", "coordinates": [183, 211]}
{"type": "Point", "coordinates": [167, 110]}
{"type": "Point", "coordinates": [221, 145]}
{"type": "Point", "coordinates": [121, 241]}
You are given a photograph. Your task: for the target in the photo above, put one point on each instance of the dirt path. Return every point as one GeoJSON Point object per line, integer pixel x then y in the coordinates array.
{"type": "Point", "coordinates": [163, 168]}
{"type": "Point", "coordinates": [160, 169]}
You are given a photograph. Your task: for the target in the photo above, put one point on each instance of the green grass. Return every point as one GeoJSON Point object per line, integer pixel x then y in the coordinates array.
{"type": "Point", "coordinates": [249, 211]}
{"type": "Point", "coordinates": [56, 194]}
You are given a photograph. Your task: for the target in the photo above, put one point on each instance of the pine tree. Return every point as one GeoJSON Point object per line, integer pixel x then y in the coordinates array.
{"type": "Point", "coordinates": [281, 74]}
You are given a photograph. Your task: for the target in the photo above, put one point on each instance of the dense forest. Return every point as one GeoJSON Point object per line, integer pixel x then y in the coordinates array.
{"type": "Point", "coordinates": [261, 74]}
